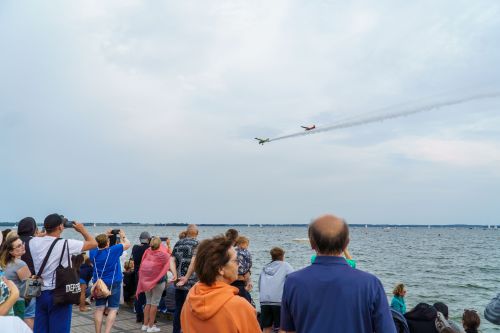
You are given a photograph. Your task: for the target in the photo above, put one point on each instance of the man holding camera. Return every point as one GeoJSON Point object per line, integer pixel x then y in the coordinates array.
{"type": "Point", "coordinates": [107, 267]}
{"type": "Point", "coordinates": [48, 316]}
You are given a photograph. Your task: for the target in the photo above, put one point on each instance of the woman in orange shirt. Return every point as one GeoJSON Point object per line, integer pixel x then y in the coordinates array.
{"type": "Point", "coordinates": [213, 305]}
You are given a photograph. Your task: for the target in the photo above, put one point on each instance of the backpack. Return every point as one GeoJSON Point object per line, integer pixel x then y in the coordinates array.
{"type": "Point", "coordinates": [100, 289]}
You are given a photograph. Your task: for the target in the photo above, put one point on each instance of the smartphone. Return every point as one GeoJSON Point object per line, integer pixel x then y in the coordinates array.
{"type": "Point", "coordinates": [163, 239]}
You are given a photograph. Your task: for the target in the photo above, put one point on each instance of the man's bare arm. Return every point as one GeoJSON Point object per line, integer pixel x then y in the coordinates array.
{"type": "Point", "coordinates": [89, 241]}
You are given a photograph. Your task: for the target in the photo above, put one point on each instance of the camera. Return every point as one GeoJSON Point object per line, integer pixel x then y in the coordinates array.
{"type": "Point", "coordinates": [114, 238]}
{"type": "Point", "coordinates": [66, 223]}
{"type": "Point", "coordinates": [163, 239]}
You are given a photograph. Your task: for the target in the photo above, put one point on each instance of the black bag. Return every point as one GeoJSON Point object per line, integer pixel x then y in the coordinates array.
{"type": "Point", "coordinates": [34, 283]}
{"type": "Point", "coordinates": [67, 289]}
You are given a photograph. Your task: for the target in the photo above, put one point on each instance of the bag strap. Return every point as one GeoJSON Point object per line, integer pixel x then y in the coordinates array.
{"type": "Point", "coordinates": [62, 253]}
{"type": "Point", "coordinates": [47, 257]}
{"type": "Point", "coordinates": [29, 262]}
{"type": "Point", "coordinates": [65, 246]}
{"type": "Point", "coordinates": [105, 262]}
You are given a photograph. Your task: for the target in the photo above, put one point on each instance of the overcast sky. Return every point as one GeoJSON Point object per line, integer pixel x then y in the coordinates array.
{"type": "Point", "coordinates": [145, 111]}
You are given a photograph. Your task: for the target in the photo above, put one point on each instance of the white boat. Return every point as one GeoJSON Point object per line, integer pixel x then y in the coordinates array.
{"type": "Point", "coordinates": [300, 240]}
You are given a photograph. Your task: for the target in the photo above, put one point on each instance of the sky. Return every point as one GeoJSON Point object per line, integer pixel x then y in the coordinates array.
{"type": "Point", "coordinates": [146, 111]}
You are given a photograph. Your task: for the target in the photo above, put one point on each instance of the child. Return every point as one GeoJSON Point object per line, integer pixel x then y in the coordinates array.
{"type": "Point", "coordinates": [351, 262]}
{"type": "Point", "coordinates": [243, 283]}
{"type": "Point", "coordinates": [398, 301]}
{"type": "Point", "coordinates": [471, 321]}
{"type": "Point", "coordinates": [85, 276]}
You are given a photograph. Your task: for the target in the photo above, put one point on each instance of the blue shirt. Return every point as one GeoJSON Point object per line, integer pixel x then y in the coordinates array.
{"type": "Point", "coordinates": [330, 296]}
{"type": "Point", "coordinates": [113, 270]}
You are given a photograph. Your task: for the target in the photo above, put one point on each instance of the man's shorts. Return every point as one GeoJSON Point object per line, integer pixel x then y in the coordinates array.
{"type": "Point", "coordinates": [270, 315]}
{"type": "Point", "coordinates": [113, 301]}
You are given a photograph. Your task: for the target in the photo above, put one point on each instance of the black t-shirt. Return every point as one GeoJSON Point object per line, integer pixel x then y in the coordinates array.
{"type": "Point", "coordinates": [137, 253]}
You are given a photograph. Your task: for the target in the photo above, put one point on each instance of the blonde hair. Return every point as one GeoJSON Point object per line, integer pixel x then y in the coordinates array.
{"type": "Point", "coordinates": [398, 289]}
{"type": "Point", "coordinates": [155, 243]}
{"type": "Point", "coordinates": [242, 240]}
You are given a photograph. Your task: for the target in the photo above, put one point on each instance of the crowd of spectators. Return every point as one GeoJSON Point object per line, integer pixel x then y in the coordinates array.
{"type": "Point", "coordinates": [206, 284]}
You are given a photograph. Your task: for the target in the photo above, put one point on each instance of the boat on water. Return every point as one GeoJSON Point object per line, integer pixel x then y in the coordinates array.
{"type": "Point", "coordinates": [301, 240]}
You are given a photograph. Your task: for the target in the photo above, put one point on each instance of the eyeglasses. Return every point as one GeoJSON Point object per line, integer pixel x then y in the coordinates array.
{"type": "Point", "coordinates": [18, 246]}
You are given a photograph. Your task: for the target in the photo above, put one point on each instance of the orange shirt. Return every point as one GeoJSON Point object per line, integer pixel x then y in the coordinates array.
{"type": "Point", "coordinates": [217, 309]}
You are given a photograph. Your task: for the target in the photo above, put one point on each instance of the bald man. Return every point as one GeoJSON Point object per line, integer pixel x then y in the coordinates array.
{"type": "Point", "coordinates": [330, 296]}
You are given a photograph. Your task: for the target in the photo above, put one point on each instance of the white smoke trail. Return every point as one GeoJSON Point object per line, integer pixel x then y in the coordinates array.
{"type": "Point", "coordinates": [373, 119]}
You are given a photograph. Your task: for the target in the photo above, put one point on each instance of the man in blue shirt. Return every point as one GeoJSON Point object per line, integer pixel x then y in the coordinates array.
{"type": "Point", "coordinates": [107, 266]}
{"type": "Point", "coordinates": [330, 296]}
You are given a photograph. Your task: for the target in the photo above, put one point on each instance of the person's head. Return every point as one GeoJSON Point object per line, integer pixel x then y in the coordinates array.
{"type": "Point", "coordinates": [182, 234]}
{"type": "Point", "coordinates": [129, 265]}
{"type": "Point", "coordinates": [77, 261]}
{"type": "Point", "coordinates": [5, 233]}
{"type": "Point", "coordinates": [27, 227]}
{"type": "Point", "coordinates": [277, 253]}
{"type": "Point", "coordinates": [328, 235]}
{"type": "Point", "coordinates": [192, 231]}
{"type": "Point", "coordinates": [102, 241]}
{"type": "Point", "coordinates": [12, 248]}
{"type": "Point", "coordinates": [216, 261]}
{"type": "Point", "coordinates": [232, 235]}
{"type": "Point", "coordinates": [399, 290]}
{"type": "Point", "coordinates": [443, 308]}
{"type": "Point", "coordinates": [144, 237]}
{"type": "Point", "coordinates": [470, 319]}
{"type": "Point", "coordinates": [155, 243]}
{"type": "Point", "coordinates": [242, 242]}
{"type": "Point", "coordinates": [54, 224]}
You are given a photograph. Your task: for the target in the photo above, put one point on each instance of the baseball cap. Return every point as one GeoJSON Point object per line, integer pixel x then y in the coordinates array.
{"type": "Point", "coordinates": [52, 221]}
{"type": "Point", "coordinates": [26, 227]}
{"type": "Point", "coordinates": [144, 237]}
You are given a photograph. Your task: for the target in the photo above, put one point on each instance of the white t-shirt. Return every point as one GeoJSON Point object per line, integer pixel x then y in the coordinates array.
{"type": "Point", "coordinates": [13, 324]}
{"type": "Point", "coordinates": [39, 246]}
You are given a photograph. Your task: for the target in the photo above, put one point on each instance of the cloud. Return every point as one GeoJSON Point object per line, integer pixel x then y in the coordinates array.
{"type": "Point", "coordinates": [134, 104]}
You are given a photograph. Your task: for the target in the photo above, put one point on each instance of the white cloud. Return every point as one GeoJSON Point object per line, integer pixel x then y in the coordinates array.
{"type": "Point", "coordinates": [164, 98]}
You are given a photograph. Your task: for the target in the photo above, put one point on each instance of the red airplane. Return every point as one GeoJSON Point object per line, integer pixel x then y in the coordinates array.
{"type": "Point", "coordinates": [308, 128]}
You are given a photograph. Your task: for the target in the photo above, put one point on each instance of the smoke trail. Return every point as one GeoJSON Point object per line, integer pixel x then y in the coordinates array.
{"type": "Point", "coordinates": [373, 119]}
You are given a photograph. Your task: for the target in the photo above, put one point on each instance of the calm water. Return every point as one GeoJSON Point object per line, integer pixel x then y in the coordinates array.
{"type": "Point", "coordinates": [460, 267]}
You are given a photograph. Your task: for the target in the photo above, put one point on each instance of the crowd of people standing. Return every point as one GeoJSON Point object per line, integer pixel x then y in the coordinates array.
{"type": "Point", "coordinates": [210, 283]}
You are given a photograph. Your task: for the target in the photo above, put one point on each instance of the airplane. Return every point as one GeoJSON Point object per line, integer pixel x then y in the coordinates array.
{"type": "Point", "coordinates": [262, 141]}
{"type": "Point", "coordinates": [308, 128]}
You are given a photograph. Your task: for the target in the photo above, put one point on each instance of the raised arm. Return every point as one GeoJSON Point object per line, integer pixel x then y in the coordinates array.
{"type": "Point", "coordinates": [124, 240]}
{"type": "Point", "coordinates": [89, 241]}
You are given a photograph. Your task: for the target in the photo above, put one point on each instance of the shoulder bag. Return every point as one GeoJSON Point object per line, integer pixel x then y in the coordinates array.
{"type": "Point", "coordinates": [34, 283]}
{"type": "Point", "coordinates": [67, 290]}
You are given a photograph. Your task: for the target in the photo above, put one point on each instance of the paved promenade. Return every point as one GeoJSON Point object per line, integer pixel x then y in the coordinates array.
{"type": "Point", "coordinates": [83, 322]}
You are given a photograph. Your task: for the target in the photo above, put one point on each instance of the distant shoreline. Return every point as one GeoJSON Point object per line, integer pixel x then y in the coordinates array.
{"type": "Point", "coordinates": [395, 226]}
